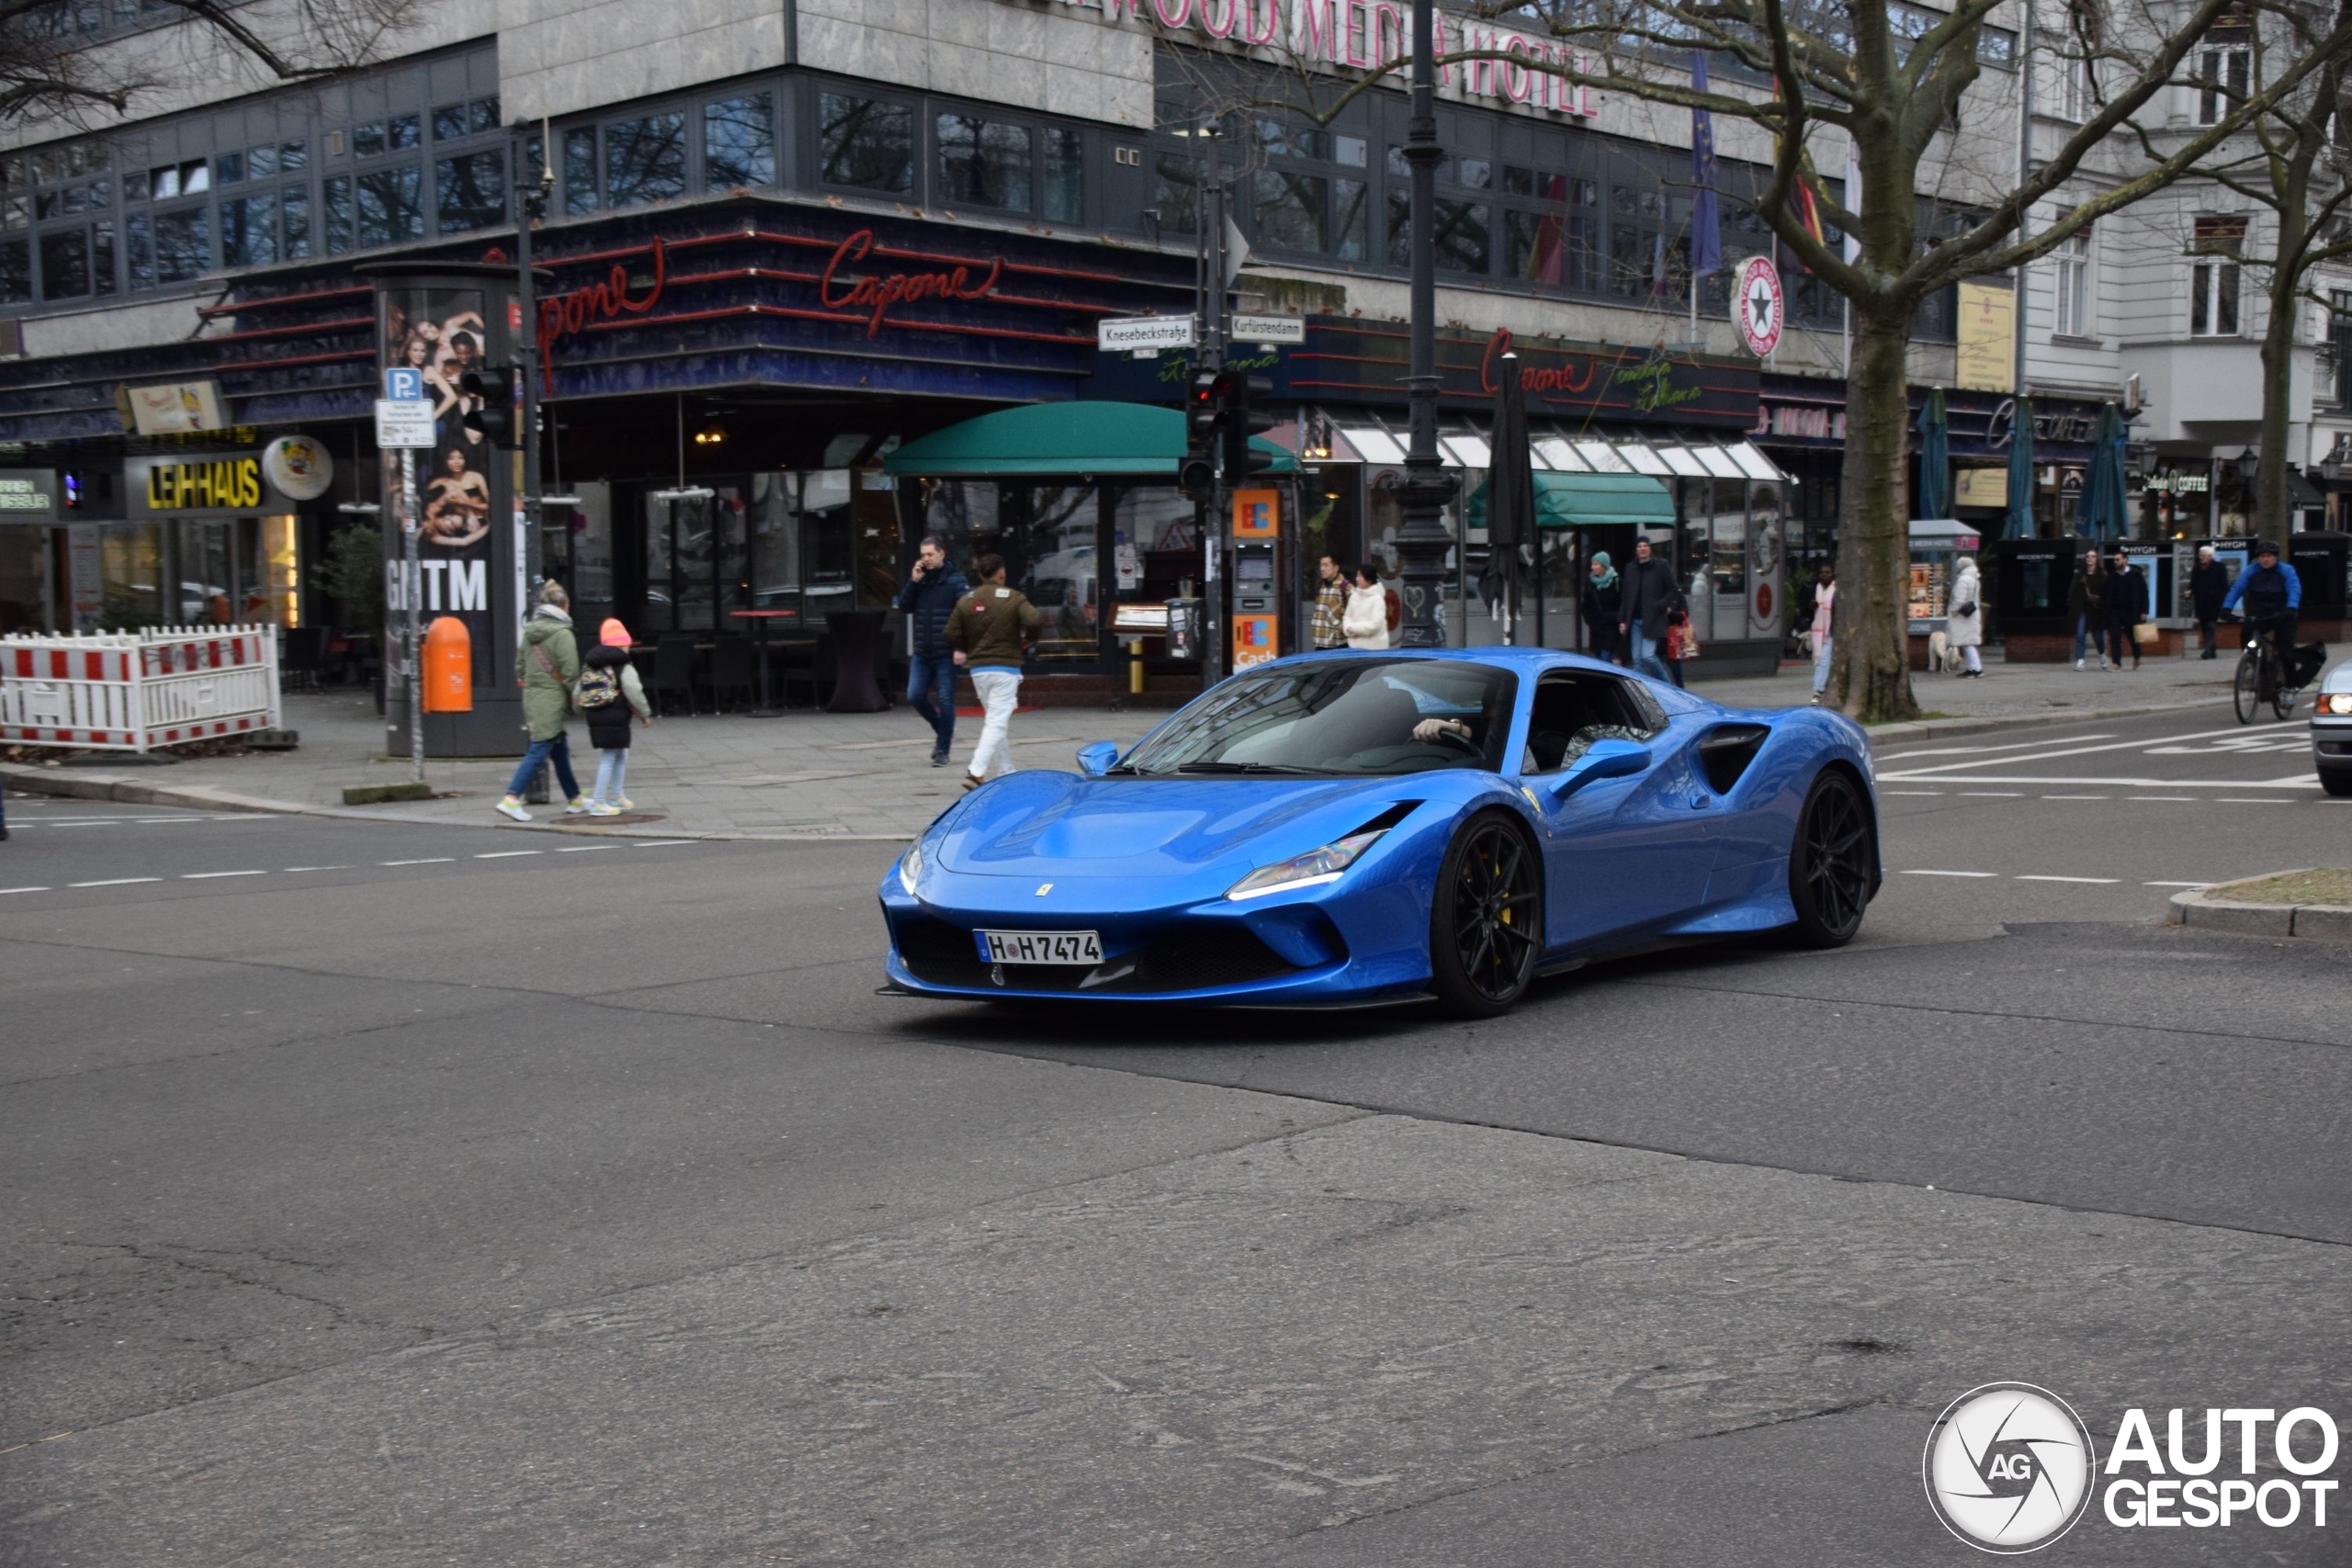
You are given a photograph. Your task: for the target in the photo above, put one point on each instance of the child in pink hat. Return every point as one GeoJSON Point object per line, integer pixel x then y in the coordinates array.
{"type": "Point", "coordinates": [609, 693]}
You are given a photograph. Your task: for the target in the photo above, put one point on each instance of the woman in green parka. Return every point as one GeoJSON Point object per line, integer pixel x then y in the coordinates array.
{"type": "Point", "coordinates": [547, 662]}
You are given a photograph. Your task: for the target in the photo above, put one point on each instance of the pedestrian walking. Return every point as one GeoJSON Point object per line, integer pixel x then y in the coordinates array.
{"type": "Point", "coordinates": [2209, 582]}
{"type": "Point", "coordinates": [547, 662]}
{"type": "Point", "coordinates": [2086, 602]}
{"type": "Point", "coordinates": [932, 592]}
{"type": "Point", "coordinates": [1965, 627]}
{"type": "Point", "coordinates": [1648, 596]}
{"type": "Point", "coordinates": [988, 637]}
{"type": "Point", "coordinates": [1364, 623]}
{"type": "Point", "coordinates": [1326, 629]}
{"type": "Point", "coordinates": [1601, 604]}
{"type": "Point", "coordinates": [1824, 597]}
{"type": "Point", "coordinates": [610, 694]}
{"type": "Point", "coordinates": [2126, 594]}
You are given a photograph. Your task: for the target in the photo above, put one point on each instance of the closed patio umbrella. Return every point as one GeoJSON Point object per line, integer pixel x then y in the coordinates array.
{"type": "Point", "coordinates": [2020, 524]}
{"type": "Point", "coordinates": [2103, 510]}
{"type": "Point", "coordinates": [1510, 496]}
{"type": "Point", "coordinates": [1935, 460]}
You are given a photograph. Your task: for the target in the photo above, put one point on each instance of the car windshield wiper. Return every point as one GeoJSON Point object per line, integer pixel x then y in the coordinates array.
{"type": "Point", "coordinates": [1244, 768]}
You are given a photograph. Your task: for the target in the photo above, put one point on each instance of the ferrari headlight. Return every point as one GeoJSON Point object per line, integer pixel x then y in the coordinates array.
{"type": "Point", "coordinates": [1309, 870]}
{"type": "Point", "coordinates": [2336, 702]}
{"type": "Point", "coordinates": [910, 867]}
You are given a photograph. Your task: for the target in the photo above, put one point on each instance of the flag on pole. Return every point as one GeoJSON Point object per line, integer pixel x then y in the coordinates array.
{"type": "Point", "coordinates": [1706, 216]}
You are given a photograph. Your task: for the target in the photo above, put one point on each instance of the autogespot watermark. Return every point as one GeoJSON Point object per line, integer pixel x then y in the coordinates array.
{"type": "Point", "coordinates": [2010, 1466]}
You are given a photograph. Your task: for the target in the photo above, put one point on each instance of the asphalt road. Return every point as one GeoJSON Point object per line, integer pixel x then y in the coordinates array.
{"type": "Point", "coordinates": [438, 1194]}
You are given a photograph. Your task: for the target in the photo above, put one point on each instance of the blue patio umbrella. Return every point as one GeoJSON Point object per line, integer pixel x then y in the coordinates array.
{"type": "Point", "coordinates": [2103, 512]}
{"type": "Point", "coordinates": [1934, 494]}
{"type": "Point", "coordinates": [2020, 524]}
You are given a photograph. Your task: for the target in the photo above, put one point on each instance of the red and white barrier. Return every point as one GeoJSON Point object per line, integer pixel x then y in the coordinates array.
{"type": "Point", "coordinates": [135, 691]}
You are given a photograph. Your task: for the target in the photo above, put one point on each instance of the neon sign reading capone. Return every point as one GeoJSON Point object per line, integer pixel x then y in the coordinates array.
{"type": "Point", "coordinates": [561, 315]}
{"type": "Point", "coordinates": [1361, 34]}
{"type": "Point", "coordinates": [877, 292]}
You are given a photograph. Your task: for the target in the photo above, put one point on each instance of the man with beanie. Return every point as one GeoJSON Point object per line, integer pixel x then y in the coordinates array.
{"type": "Point", "coordinates": [928, 599]}
{"type": "Point", "coordinates": [1648, 595]}
{"type": "Point", "coordinates": [989, 634]}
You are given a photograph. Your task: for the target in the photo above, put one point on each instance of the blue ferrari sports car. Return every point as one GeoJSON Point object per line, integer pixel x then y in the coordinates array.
{"type": "Point", "coordinates": [1352, 828]}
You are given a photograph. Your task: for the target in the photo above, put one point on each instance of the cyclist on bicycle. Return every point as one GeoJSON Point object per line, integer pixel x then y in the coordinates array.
{"type": "Point", "coordinates": [2272, 595]}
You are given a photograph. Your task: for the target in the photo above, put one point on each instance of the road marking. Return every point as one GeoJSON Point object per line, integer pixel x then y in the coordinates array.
{"type": "Point", "coordinates": [575, 849]}
{"type": "Point", "coordinates": [508, 854]}
{"type": "Point", "coordinates": [1988, 750]}
{"type": "Point", "coordinates": [207, 875]}
{"type": "Point", "coordinates": [291, 869]}
{"type": "Point", "coordinates": [2100, 880]}
{"type": "Point", "coordinates": [2250, 800]}
{"type": "Point", "coordinates": [7, 890]}
{"type": "Point", "coordinates": [1990, 795]}
{"type": "Point", "coordinates": [2181, 799]}
{"type": "Point", "coordinates": [1950, 874]}
{"type": "Point", "coordinates": [2077, 798]}
{"type": "Point", "coordinates": [2080, 750]}
{"type": "Point", "coordinates": [429, 860]}
{"type": "Point", "coordinates": [2312, 782]}
{"type": "Point", "coordinates": [114, 882]}
{"type": "Point", "coordinates": [662, 844]}
{"type": "Point", "coordinates": [1934, 792]}
{"type": "Point", "coordinates": [2175, 884]}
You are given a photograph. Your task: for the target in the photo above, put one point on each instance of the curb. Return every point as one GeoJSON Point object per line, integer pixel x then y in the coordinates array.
{"type": "Point", "coordinates": [85, 786]}
{"type": "Point", "coordinates": [2199, 907]}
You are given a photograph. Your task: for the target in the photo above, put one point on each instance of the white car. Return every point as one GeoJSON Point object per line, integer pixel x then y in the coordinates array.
{"type": "Point", "coordinates": [2331, 729]}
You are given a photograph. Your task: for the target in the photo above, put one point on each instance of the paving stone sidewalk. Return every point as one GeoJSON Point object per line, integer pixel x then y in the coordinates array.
{"type": "Point", "coordinates": [817, 775]}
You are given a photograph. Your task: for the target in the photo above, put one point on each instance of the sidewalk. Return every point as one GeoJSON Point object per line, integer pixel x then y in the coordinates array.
{"type": "Point", "coordinates": [814, 775]}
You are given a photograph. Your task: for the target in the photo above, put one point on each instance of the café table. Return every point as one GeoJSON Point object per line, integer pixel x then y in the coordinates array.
{"type": "Point", "coordinates": [857, 645]}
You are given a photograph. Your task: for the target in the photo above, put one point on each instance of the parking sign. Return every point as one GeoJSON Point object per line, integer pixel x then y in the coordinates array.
{"type": "Point", "coordinates": [403, 385]}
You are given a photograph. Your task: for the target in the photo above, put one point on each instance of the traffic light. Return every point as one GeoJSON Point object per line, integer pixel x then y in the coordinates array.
{"type": "Point", "coordinates": [1243, 398]}
{"type": "Point", "coordinates": [1204, 414]}
{"type": "Point", "coordinates": [497, 392]}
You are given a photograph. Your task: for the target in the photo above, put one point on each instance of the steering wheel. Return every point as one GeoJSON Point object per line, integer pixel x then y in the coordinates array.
{"type": "Point", "coordinates": [1458, 738]}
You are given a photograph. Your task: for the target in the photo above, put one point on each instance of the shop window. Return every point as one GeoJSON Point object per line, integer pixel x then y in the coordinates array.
{"type": "Point", "coordinates": [15, 272]}
{"type": "Point", "coordinates": [65, 264]}
{"type": "Point", "coordinates": [390, 206]}
{"type": "Point", "coordinates": [1064, 166]}
{"type": "Point", "coordinates": [471, 191]}
{"type": "Point", "coordinates": [1059, 570]}
{"type": "Point", "coordinates": [1460, 233]}
{"type": "Point", "coordinates": [739, 142]}
{"type": "Point", "coordinates": [1291, 208]}
{"type": "Point", "coordinates": [645, 160]}
{"type": "Point", "coordinates": [983, 162]}
{"type": "Point", "coordinates": [335, 195]}
{"type": "Point", "coordinates": [131, 576]}
{"type": "Point", "coordinates": [183, 244]}
{"type": "Point", "coordinates": [865, 142]}
{"type": "Point", "coordinates": [294, 212]}
{"type": "Point", "coordinates": [580, 170]}
{"type": "Point", "coordinates": [1352, 221]}
{"type": "Point", "coordinates": [1176, 190]}
{"type": "Point", "coordinates": [139, 234]}
{"type": "Point", "coordinates": [249, 231]}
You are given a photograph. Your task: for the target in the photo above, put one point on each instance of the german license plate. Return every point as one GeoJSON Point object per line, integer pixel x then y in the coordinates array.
{"type": "Point", "coordinates": [1039, 947]}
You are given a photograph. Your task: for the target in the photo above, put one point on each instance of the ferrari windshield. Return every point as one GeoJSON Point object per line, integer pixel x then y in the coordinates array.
{"type": "Point", "coordinates": [1340, 716]}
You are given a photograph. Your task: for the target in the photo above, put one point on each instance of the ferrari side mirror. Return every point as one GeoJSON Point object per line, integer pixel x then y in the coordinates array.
{"type": "Point", "coordinates": [1097, 759]}
{"type": "Point", "coordinates": [1609, 758]}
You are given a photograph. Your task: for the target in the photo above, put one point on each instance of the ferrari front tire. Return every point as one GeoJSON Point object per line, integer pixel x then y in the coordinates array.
{"type": "Point", "coordinates": [1487, 921]}
{"type": "Point", "coordinates": [1831, 862]}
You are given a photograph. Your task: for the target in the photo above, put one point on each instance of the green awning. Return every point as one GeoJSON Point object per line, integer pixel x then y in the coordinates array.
{"type": "Point", "coordinates": [1573, 500]}
{"type": "Point", "coordinates": [1060, 438]}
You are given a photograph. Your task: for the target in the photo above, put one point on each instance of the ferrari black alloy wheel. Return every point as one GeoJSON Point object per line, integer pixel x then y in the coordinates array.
{"type": "Point", "coordinates": [1486, 928]}
{"type": "Point", "coordinates": [1831, 862]}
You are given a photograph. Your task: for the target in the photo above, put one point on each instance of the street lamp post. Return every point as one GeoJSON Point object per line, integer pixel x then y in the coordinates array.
{"type": "Point", "coordinates": [1423, 541]}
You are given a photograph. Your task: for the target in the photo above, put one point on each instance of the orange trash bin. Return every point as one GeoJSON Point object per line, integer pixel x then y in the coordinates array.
{"type": "Point", "coordinates": [448, 666]}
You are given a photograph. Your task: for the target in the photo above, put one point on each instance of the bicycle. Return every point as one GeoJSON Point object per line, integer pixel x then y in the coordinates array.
{"type": "Point", "coordinates": [2261, 677]}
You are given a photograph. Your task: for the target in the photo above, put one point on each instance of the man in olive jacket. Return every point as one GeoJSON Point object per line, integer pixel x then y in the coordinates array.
{"type": "Point", "coordinates": [547, 662]}
{"type": "Point", "coordinates": [991, 632]}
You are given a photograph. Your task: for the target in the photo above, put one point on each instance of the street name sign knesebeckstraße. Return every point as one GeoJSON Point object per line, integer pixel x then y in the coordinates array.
{"type": "Point", "coordinates": [1146, 332]}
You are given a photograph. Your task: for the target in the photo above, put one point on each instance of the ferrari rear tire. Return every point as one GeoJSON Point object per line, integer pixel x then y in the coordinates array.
{"type": "Point", "coordinates": [1487, 921]}
{"type": "Point", "coordinates": [1832, 860]}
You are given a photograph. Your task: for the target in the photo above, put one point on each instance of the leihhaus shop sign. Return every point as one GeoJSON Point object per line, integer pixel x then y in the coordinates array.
{"type": "Point", "coordinates": [229, 484]}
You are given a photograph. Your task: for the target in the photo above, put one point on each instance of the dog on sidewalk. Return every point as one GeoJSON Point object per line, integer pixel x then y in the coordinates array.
{"type": "Point", "coordinates": [1942, 657]}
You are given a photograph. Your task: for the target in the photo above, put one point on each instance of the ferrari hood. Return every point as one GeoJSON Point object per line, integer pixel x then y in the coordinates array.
{"type": "Point", "coordinates": [1058, 824]}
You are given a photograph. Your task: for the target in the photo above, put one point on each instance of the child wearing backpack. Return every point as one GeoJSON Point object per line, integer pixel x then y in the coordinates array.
{"type": "Point", "coordinates": [610, 694]}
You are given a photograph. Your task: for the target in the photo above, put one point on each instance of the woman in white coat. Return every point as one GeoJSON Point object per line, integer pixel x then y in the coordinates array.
{"type": "Point", "coordinates": [1365, 620]}
{"type": "Point", "coordinates": [1964, 624]}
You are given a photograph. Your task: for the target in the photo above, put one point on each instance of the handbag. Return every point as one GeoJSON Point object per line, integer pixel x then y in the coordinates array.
{"type": "Point", "coordinates": [2143, 632]}
{"type": "Point", "coordinates": [1680, 642]}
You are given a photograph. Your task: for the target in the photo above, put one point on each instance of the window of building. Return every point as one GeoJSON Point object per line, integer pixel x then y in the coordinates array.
{"type": "Point", "coordinates": [368, 141]}
{"type": "Point", "coordinates": [231, 166]}
{"type": "Point", "coordinates": [261, 162]}
{"type": "Point", "coordinates": [183, 244]}
{"type": "Point", "coordinates": [390, 206]}
{"type": "Point", "coordinates": [865, 143]}
{"type": "Point", "coordinates": [2225, 75]}
{"type": "Point", "coordinates": [451, 121]}
{"type": "Point", "coordinates": [102, 257]}
{"type": "Point", "coordinates": [138, 238]}
{"type": "Point", "coordinates": [2071, 264]}
{"type": "Point", "coordinates": [470, 190]}
{"type": "Point", "coordinates": [580, 170]}
{"type": "Point", "coordinates": [2339, 340]}
{"type": "Point", "coordinates": [65, 264]}
{"type": "Point", "coordinates": [645, 160]}
{"type": "Point", "coordinates": [1176, 191]}
{"type": "Point", "coordinates": [1063, 164]}
{"type": "Point", "coordinates": [739, 142]}
{"type": "Point", "coordinates": [294, 212]}
{"type": "Point", "coordinates": [15, 272]}
{"type": "Point", "coordinates": [403, 133]}
{"type": "Point", "coordinates": [984, 162]}
{"type": "Point", "coordinates": [249, 231]}
{"type": "Point", "coordinates": [335, 195]}
{"type": "Point", "coordinates": [2213, 277]}
{"type": "Point", "coordinates": [1351, 221]}
{"type": "Point", "coordinates": [1292, 208]}
{"type": "Point", "coordinates": [1461, 231]}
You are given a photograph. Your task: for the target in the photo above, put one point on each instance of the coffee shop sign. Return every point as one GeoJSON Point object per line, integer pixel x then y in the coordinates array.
{"type": "Point", "coordinates": [2001, 424]}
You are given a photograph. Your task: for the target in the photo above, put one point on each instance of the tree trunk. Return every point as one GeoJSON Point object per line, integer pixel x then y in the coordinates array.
{"type": "Point", "coordinates": [2270, 512]}
{"type": "Point", "coordinates": [1871, 616]}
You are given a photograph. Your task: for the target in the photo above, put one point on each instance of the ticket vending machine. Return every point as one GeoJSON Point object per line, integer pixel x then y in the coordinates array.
{"type": "Point", "coordinates": [1255, 620]}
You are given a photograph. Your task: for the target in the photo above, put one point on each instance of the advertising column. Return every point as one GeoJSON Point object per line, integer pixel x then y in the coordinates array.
{"type": "Point", "coordinates": [442, 320]}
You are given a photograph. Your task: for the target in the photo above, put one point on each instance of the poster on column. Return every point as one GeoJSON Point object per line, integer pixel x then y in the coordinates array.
{"type": "Point", "coordinates": [440, 332]}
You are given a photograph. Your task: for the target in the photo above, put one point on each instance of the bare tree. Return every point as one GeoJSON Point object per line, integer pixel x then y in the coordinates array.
{"type": "Point", "coordinates": [57, 62]}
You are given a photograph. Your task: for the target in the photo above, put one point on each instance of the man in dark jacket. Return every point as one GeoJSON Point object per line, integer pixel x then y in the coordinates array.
{"type": "Point", "coordinates": [2126, 595]}
{"type": "Point", "coordinates": [1648, 595]}
{"type": "Point", "coordinates": [927, 599]}
{"type": "Point", "coordinates": [2208, 580]}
